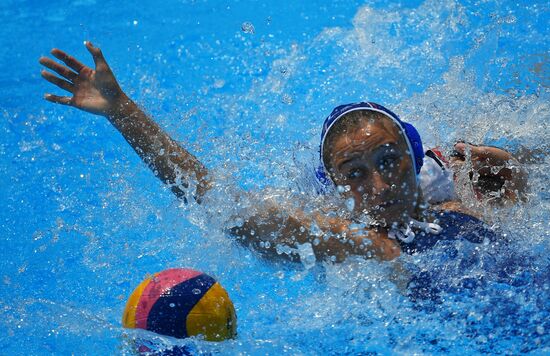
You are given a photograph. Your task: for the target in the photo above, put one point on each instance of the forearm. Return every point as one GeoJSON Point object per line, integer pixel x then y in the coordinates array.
{"type": "Point", "coordinates": [174, 165]}
{"type": "Point", "coordinates": [98, 92]}
{"type": "Point", "coordinates": [278, 234]}
{"type": "Point", "coordinates": [340, 240]}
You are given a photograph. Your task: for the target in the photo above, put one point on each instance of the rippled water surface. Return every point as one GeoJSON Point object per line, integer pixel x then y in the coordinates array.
{"type": "Point", "coordinates": [245, 86]}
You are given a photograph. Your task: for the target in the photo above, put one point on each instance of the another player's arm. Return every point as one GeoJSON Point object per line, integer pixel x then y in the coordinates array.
{"type": "Point", "coordinates": [98, 92]}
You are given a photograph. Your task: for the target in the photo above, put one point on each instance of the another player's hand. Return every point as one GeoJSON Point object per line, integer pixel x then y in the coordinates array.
{"type": "Point", "coordinates": [484, 156]}
{"type": "Point", "coordinates": [95, 91]}
{"type": "Point", "coordinates": [497, 170]}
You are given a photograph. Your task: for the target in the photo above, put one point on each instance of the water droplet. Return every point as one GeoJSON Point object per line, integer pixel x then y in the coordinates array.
{"type": "Point", "coordinates": [37, 235]}
{"type": "Point", "coordinates": [219, 83]}
{"type": "Point", "coordinates": [286, 99]}
{"type": "Point", "coordinates": [248, 27]}
{"type": "Point", "coordinates": [238, 222]}
{"type": "Point", "coordinates": [172, 305]}
{"type": "Point", "coordinates": [280, 249]}
{"type": "Point", "coordinates": [343, 188]}
{"type": "Point", "coordinates": [350, 204]}
{"type": "Point", "coordinates": [307, 256]}
{"type": "Point", "coordinates": [135, 22]}
{"type": "Point", "coordinates": [315, 230]}
{"type": "Point", "coordinates": [196, 291]}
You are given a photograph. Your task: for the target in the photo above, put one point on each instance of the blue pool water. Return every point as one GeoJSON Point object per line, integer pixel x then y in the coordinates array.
{"type": "Point", "coordinates": [83, 220]}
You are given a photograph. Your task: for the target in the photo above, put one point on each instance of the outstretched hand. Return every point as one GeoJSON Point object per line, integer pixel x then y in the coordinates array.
{"type": "Point", "coordinates": [95, 91]}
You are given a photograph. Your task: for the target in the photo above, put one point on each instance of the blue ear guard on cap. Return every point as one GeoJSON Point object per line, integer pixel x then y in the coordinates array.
{"type": "Point", "coordinates": [411, 136]}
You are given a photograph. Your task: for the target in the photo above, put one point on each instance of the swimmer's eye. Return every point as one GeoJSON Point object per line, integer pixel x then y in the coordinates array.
{"type": "Point", "coordinates": [387, 162]}
{"type": "Point", "coordinates": [354, 174]}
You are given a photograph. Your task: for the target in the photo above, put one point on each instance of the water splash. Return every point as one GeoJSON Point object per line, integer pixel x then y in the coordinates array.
{"type": "Point", "coordinates": [457, 70]}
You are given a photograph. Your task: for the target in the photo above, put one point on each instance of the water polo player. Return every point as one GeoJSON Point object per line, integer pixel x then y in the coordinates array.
{"type": "Point", "coordinates": [370, 159]}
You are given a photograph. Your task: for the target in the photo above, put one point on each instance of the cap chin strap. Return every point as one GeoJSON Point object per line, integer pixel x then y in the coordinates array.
{"type": "Point", "coordinates": [405, 233]}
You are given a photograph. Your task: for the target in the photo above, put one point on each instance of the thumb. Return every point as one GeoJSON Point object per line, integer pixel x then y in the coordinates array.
{"type": "Point", "coordinates": [461, 147]}
{"type": "Point", "coordinates": [475, 151]}
{"type": "Point", "coordinates": [99, 60]}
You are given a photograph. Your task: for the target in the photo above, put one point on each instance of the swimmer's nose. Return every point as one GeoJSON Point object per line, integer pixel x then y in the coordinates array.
{"type": "Point", "coordinates": [379, 185]}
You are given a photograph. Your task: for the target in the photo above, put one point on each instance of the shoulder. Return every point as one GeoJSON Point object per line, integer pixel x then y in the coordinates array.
{"type": "Point", "coordinates": [455, 225]}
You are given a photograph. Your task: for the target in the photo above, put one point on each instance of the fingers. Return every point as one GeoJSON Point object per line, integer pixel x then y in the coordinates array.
{"type": "Point", "coordinates": [58, 68]}
{"type": "Point", "coordinates": [68, 60]}
{"type": "Point", "coordinates": [64, 100]}
{"type": "Point", "coordinates": [63, 84]}
{"type": "Point", "coordinates": [460, 147]}
{"type": "Point", "coordinates": [97, 55]}
{"type": "Point", "coordinates": [458, 153]}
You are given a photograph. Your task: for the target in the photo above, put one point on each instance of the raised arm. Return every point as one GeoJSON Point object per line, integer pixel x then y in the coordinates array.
{"type": "Point", "coordinates": [98, 92]}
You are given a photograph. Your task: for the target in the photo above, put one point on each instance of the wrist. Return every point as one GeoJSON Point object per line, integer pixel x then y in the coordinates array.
{"type": "Point", "coordinates": [121, 107]}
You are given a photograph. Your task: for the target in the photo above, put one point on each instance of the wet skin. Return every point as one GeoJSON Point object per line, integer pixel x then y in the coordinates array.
{"type": "Point", "coordinates": [373, 160]}
{"type": "Point", "coordinates": [97, 91]}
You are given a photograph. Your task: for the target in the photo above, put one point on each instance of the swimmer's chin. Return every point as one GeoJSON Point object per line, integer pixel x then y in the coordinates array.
{"type": "Point", "coordinates": [389, 204]}
{"type": "Point", "coordinates": [366, 217]}
{"type": "Point", "coordinates": [385, 214]}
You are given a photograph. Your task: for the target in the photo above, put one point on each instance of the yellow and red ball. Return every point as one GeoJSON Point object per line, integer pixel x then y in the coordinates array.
{"type": "Point", "coordinates": [181, 303]}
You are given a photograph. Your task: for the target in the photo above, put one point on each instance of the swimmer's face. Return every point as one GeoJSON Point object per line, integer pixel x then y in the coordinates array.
{"type": "Point", "coordinates": [373, 161]}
